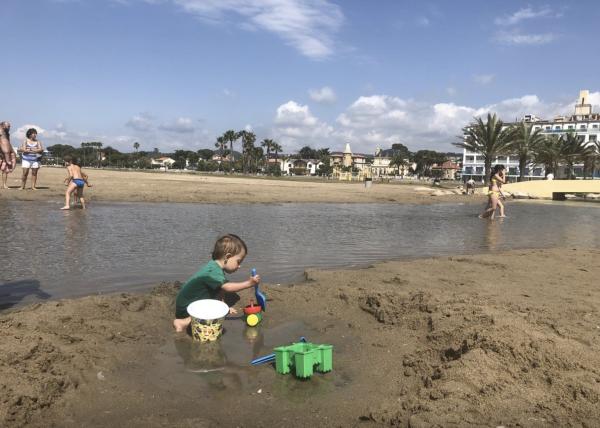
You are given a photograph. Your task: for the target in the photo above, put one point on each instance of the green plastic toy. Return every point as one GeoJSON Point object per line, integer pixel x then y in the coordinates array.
{"type": "Point", "coordinates": [304, 357]}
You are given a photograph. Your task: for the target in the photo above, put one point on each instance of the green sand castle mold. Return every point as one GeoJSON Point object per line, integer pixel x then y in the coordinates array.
{"type": "Point", "coordinates": [304, 357]}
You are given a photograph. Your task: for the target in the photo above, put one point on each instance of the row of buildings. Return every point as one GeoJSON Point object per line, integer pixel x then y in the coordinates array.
{"type": "Point", "coordinates": [583, 122]}
{"type": "Point", "coordinates": [357, 165]}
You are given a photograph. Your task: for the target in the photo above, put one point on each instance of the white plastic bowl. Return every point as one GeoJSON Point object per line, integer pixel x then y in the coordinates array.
{"type": "Point", "coordinates": [208, 309]}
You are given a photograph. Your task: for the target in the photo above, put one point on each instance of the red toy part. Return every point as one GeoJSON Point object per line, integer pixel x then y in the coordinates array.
{"type": "Point", "coordinates": [252, 309]}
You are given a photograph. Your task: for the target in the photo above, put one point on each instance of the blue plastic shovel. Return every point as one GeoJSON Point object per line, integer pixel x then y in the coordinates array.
{"type": "Point", "coordinates": [269, 358]}
{"type": "Point", "coordinates": [261, 299]}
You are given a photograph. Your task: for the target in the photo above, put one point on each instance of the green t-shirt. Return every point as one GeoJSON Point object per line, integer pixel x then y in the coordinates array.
{"type": "Point", "coordinates": [204, 284]}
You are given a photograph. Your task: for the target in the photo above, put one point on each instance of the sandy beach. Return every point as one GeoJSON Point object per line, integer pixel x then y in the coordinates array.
{"type": "Point", "coordinates": [508, 339]}
{"type": "Point", "coordinates": [135, 186]}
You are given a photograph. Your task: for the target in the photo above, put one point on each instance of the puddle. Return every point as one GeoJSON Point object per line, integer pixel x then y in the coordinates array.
{"type": "Point", "coordinates": [222, 368]}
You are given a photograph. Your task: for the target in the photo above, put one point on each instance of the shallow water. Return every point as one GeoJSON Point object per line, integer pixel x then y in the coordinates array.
{"type": "Point", "coordinates": [127, 247]}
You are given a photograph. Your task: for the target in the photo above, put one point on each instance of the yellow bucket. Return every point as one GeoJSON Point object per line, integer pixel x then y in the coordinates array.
{"type": "Point", "coordinates": [206, 330]}
{"type": "Point", "coordinates": [207, 319]}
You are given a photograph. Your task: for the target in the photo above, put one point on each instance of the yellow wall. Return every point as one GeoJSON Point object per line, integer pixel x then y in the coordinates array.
{"type": "Point", "coordinates": [545, 188]}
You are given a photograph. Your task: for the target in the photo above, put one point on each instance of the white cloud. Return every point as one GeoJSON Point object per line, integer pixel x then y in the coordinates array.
{"type": "Point", "coordinates": [295, 126]}
{"type": "Point", "coordinates": [381, 120]}
{"type": "Point", "coordinates": [325, 95]}
{"type": "Point", "coordinates": [181, 125]}
{"type": "Point", "coordinates": [306, 25]}
{"type": "Point", "coordinates": [141, 122]}
{"type": "Point", "coordinates": [523, 14]}
{"type": "Point", "coordinates": [484, 79]}
{"type": "Point", "coordinates": [423, 21]}
{"type": "Point", "coordinates": [518, 38]}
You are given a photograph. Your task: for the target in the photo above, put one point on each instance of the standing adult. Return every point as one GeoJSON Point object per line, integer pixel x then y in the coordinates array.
{"type": "Point", "coordinates": [5, 173]}
{"type": "Point", "coordinates": [8, 159]}
{"type": "Point", "coordinates": [31, 154]}
{"type": "Point", "coordinates": [470, 186]}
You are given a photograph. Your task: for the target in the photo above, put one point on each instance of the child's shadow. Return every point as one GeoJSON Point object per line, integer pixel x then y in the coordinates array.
{"type": "Point", "coordinates": [11, 293]}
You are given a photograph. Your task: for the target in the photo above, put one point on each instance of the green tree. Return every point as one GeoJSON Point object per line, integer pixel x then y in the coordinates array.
{"type": "Point", "coordinates": [523, 140]}
{"type": "Point", "coordinates": [548, 153]}
{"type": "Point", "coordinates": [307, 153]}
{"type": "Point", "coordinates": [231, 137]}
{"type": "Point", "coordinates": [268, 145]}
{"type": "Point", "coordinates": [487, 139]}
{"type": "Point", "coordinates": [401, 150]}
{"type": "Point", "coordinates": [220, 144]}
{"type": "Point", "coordinates": [425, 160]}
{"type": "Point", "coordinates": [398, 161]}
{"type": "Point", "coordinates": [276, 148]}
{"type": "Point", "coordinates": [248, 139]}
{"type": "Point", "coordinates": [205, 154]}
{"type": "Point", "coordinates": [572, 150]}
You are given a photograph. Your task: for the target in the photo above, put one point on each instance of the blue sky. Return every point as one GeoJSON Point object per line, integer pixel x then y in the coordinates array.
{"type": "Point", "coordinates": [177, 73]}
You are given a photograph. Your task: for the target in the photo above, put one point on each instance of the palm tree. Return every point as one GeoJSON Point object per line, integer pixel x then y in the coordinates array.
{"type": "Point", "coordinates": [487, 139]}
{"type": "Point", "coordinates": [230, 136]}
{"type": "Point", "coordinates": [398, 161]}
{"type": "Point", "coordinates": [548, 153]}
{"type": "Point", "coordinates": [276, 148]}
{"type": "Point", "coordinates": [248, 139]}
{"type": "Point", "coordinates": [573, 149]}
{"type": "Point", "coordinates": [220, 144]}
{"type": "Point", "coordinates": [523, 141]}
{"type": "Point", "coordinates": [268, 145]}
{"type": "Point", "coordinates": [136, 146]}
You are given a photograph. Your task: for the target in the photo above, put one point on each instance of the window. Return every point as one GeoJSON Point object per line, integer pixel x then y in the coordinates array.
{"type": "Point", "coordinates": [581, 126]}
{"type": "Point", "coordinates": [537, 172]}
{"type": "Point", "coordinates": [570, 127]}
{"type": "Point", "coordinates": [479, 170]}
{"type": "Point", "coordinates": [595, 125]}
{"type": "Point", "coordinates": [512, 171]}
{"type": "Point", "coordinates": [548, 128]}
{"type": "Point", "coordinates": [469, 170]}
{"type": "Point", "coordinates": [470, 159]}
{"type": "Point", "coordinates": [557, 127]}
{"type": "Point", "coordinates": [593, 138]}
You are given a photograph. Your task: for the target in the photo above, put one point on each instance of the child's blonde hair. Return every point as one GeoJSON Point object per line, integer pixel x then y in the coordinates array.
{"type": "Point", "coordinates": [229, 244]}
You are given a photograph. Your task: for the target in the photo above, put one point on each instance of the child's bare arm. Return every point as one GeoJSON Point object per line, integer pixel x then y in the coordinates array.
{"type": "Point", "coordinates": [233, 287]}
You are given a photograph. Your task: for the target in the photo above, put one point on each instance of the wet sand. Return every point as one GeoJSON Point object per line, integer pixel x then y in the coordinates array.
{"type": "Point", "coordinates": [136, 186]}
{"type": "Point", "coordinates": [509, 339]}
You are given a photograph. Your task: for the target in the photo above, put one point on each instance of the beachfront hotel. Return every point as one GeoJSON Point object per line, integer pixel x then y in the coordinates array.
{"type": "Point", "coordinates": [584, 123]}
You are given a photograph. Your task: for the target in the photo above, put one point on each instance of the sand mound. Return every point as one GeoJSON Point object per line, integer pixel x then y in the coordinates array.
{"type": "Point", "coordinates": [47, 350]}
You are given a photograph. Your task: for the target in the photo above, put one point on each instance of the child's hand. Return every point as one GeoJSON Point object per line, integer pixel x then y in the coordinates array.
{"type": "Point", "coordinates": [232, 311]}
{"type": "Point", "coordinates": [255, 280]}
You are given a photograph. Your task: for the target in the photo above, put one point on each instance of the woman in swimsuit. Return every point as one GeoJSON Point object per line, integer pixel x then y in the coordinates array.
{"type": "Point", "coordinates": [31, 154]}
{"type": "Point", "coordinates": [497, 179]}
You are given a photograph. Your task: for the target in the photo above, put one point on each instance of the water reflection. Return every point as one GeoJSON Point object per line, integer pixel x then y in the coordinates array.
{"type": "Point", "coordinates": [114, 247]}
{"type": "Point", "coordinates": [493, 234]}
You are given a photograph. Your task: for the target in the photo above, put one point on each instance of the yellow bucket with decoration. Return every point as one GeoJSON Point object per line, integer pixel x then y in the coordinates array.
{"type": "Point", "coordinates": [207, 319]}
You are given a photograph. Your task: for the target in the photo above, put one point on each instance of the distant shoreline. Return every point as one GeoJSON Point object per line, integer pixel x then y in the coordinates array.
{"type": "Point", "coordinates": [146, 186]}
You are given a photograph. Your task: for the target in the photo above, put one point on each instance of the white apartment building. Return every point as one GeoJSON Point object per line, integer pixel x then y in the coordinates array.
{"type": "Point", "coordinates": [584, 123]}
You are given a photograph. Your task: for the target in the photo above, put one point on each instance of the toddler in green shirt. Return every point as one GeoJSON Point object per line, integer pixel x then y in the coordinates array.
{"type": "Point", "coordinates": [210, 282]}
